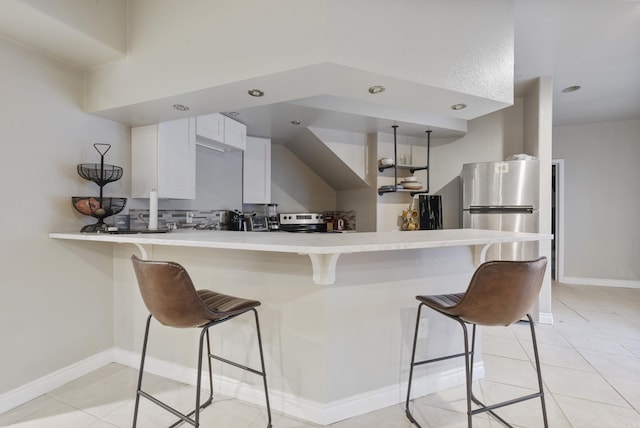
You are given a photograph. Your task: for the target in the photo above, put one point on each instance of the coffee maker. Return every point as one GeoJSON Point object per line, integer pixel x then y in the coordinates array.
{"type": "Point", "coordinates": [273, 220]}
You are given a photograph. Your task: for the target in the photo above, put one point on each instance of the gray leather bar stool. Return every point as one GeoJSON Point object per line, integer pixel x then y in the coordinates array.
{"type": "Point", "coordinates": [500, 293]}
{"type": "Point", "coordinates": [172, 300]}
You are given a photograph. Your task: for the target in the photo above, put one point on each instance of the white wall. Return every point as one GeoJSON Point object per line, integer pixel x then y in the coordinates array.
{"type": "Point", "coordinates": [55, 299]}
{"type": "Point", "coordinates": [295, 187]}
{"type": "Point", "coordinates": [103, 21]}
{"type": "Point", "coordinates": [363, 201]}
{"type": "Point", "coordinates": [602, 201]}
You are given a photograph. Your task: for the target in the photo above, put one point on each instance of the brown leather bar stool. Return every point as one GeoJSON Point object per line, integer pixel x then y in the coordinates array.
{"type": "Point", "coordinates": [499, 294]}
{"type": "Point", "coordinates": [172, 299]}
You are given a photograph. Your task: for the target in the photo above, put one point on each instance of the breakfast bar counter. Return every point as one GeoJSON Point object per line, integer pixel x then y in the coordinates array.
{"type": "Point", "coordinates": [322, 248]}
{"type": "Point", "coordinates": [337, 332]}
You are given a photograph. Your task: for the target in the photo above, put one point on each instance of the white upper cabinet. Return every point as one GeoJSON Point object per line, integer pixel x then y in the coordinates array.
{"type": "Point", "coordinates": [256, 171]}
{"type": "Point", "coordinates": [163, 157]}
{"type": "Point", "coordinates": [221, 133]}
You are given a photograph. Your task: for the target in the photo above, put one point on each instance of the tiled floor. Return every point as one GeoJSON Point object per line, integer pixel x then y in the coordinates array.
{"type": "Point", "coordinates": [591, 371]}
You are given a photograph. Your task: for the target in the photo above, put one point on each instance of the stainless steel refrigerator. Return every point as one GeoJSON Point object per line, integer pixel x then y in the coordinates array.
{"type": "Point", "coordinates": [503, 196]}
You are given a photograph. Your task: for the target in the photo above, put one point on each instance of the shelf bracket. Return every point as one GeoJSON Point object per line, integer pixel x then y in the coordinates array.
{"type": "Point", "coordinates": [418, 168]}
{"type": "Point", "coordinates": [324, 267]}
{"type": "Point", "coordinates": [143, 251]}
{"type": "Point", "coordinates": [480, 253]}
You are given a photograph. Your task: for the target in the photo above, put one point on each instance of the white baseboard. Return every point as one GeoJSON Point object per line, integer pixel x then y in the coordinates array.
{"type": "Point", "coordinates": [602, 282]}
{"type": "Point", "coordinates": [51, 381]}
{"type": "Point", "coordinates": [313, 411]}
{"type": "Point", "coordinates": [545, 318]}
{"type": "Point", "coordinates": [309, 410]}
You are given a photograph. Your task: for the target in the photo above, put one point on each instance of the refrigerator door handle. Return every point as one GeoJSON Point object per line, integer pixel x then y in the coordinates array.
{"type": "Point", "coordinates": [501, 209]}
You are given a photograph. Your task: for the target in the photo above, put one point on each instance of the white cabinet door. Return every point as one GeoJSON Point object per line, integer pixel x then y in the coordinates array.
{"type": "Point", "coordinates": [144, 160]}
{"type": "Point", "coordinates": [210, 127]}
{"type": "Point", "coordinates": [256, 171]}
{"type": "Point", "coordinates": [235, 134]}
{"type": "Point", "coordinates": [177, 159]}
{"type": "Point", "coordinates": [163, 157]}
{"type": "Point", "coordinates": [220, 133]}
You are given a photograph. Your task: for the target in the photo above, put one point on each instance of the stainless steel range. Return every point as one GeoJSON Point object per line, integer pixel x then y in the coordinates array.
{"type": "Point", "coordinates": [302, 222]}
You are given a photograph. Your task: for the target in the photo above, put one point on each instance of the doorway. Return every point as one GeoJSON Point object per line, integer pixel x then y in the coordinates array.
{"type": "Point", "coordinates": [557, 219]}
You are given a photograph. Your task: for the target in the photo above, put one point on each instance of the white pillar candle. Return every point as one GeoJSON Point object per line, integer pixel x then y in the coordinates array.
{"type": "Point", "coordinates": [153, 210]}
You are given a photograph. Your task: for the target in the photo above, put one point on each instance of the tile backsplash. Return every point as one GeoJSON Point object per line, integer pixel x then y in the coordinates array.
{"type": "Point", "coordinates": [203, 219]}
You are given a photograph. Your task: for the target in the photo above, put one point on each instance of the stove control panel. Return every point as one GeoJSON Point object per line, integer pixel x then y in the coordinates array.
{"type": "Point", "coordinates": [301, 218]}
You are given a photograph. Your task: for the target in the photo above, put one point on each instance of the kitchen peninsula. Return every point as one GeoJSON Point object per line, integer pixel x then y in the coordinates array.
{"type": "Point", "coordinates": [337, 331]}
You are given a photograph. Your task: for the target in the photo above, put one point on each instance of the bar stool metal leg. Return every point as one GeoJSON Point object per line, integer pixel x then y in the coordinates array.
{"type": "Point", "coordinates": [538, 370]}
{"type": "Point", "coordinates": [204, 336]}
{"type": "Point", "coordinates": [413, 358]}
{"type": "Point", "coordinates": [249, 369]}
{"type": "Point", "coordinates": [500, 293]}
{"type": "Point", "coordinates": [264, 372]}
{"type": "Point", "coordinates": [469, 361]}
{"type": "Point", "coordinates": [138, 388]}
{"type": "Point", "coordinates": [419, 363]}
{"type": "Point", "coordinates": [171, 297]}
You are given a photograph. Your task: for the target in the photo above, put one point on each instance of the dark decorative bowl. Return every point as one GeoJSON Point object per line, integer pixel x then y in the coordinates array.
{"type": "Point", "coordinates": [100, 175]}
{"type": "Point", "coordinates": [99, 208]}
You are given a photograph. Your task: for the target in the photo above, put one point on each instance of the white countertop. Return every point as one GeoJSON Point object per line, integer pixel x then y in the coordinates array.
{"type": "Point", "coordinates": [322, 248]}
{"type": "Point", "coordinates": [312, 243]}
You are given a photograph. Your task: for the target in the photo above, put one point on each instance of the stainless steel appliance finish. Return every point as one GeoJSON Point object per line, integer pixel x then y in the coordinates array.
{"type": "Point", "coordinates": [257, 223]}
{"type": "Point", "coordinates": [302, 222]}
{"type": "Point", "coordinates": [272, 214]}
{"type": "Point", "coordinates": [502, 196]}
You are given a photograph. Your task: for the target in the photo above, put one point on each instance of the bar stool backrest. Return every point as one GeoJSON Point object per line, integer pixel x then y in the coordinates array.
{"type": "Point", "coordinates": [501, 292]}
{"type": "Point", "coordinates": [169, 294]}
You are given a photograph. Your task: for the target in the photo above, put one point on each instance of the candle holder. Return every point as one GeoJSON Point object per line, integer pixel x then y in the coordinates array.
{"type": "Point", "coordinates": [99, 207]}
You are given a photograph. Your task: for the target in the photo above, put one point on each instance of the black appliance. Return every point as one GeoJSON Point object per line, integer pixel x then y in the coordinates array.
{"type": "Point", "coordinates": [302, 222]}
{"type": "Point", "coordinates": [430, 210]}
{"type": "Point", "coordinates": [235, 221]}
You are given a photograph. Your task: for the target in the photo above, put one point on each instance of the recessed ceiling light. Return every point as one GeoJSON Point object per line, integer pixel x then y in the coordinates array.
{"type": "Point", "coordinates": [376, 89]}
{"type": "Point", "coordinates": [256, 92]}
{"type": "Point", "coordinates": [295, 122]}
{"type": "Point", "coordinates": [571, 89]}
{"type": "Point", "coordinates": [181, 107]}
{"type": "Point", "coordinates": [459, 106]}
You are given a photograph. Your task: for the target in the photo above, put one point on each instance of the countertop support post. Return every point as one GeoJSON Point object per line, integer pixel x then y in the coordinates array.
{"type": "Point", "coordinates": [480, 253]}
{"type": "Point", "coordinates": [143, 251]}
{"type": "Point", "coordinates": [324, 267]}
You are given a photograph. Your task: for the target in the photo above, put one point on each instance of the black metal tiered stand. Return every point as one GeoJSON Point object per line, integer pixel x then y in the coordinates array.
{"type": "Point", "coordinates": [102, 207]}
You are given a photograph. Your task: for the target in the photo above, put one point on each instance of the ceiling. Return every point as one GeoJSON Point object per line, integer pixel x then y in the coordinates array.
{"type": "Point", "coordinates": [594, 44]}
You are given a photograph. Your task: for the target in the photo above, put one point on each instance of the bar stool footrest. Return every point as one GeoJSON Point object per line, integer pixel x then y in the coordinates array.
{"type": "Point", "coordinates": [182, 417]}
